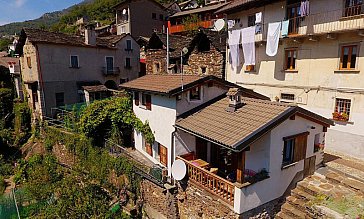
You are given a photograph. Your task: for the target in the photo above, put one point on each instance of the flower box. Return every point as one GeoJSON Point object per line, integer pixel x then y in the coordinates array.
{"type": "Point", "coordinates": [344, 117]}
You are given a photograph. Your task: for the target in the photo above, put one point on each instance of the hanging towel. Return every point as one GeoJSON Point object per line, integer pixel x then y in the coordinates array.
{"type": "Point", "coordinates": [285, 25]}
{"type": "Point", "coordinates": [231, 23]}
{"type": "Point", "coordinates": [258, 18]}
{"type": "Point", "coordinates": [248, 42]}
{"type": "Point", "coordinates": [234, 41]}
{"type": "Point", "coordinates": [305, 8]}
{"type": "Point", "coordinates": [274, 30]}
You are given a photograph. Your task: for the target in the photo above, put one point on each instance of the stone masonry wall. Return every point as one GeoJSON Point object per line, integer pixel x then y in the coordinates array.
{"type": "Point", "coordinates": [152, 58]}
{"type": "Point", "coordinates": [213, 61]}
{"type": "Point", "coordinates": [198, 203]}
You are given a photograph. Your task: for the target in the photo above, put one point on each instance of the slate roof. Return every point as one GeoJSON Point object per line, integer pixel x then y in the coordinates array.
{"type": "Point", "coordinates": [176, 43]}
{"type": "Point", "coordinates": [199, 10]}
{"type": "Point", "coordinates": [166, 84]}
{"type": "Point", "coordinates": [42, 36]}
{"type": "Point", "coordinates": [170, 84]}
{"type": "Point", "coordinates": [95, 88]}
{"type": "Point", "coordinates": [237, 130]}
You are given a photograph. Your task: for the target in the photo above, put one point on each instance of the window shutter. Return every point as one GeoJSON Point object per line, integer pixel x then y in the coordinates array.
{"type": "Point", "coordinates": [148, 102]}
{"type": "Point", "coordinates": [163, 153]}
{"type": "Point", "coordinates": [300, 148]}
{"type": "Point", "coordinates": [136, 98]}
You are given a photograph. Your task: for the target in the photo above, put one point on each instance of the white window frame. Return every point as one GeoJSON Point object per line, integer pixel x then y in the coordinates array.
{"type": "Point", "coordinates": [351, 105]}
{"type": "Point", "coordinates": [78, 61]}
{"type": "Point", "coordinates": [201, 95]}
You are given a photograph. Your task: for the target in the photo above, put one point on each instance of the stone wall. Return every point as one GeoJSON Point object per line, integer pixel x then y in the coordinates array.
{"type": "Point", "coordinates": [156, 57]}
{"type": "Point", "coordinates": [212, 61]}
{"type": "Point", "coordinates": [194, 202]}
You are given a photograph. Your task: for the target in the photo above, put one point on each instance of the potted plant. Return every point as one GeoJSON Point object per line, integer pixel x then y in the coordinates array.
{"type": "Point", "coordinates": [340, 116]}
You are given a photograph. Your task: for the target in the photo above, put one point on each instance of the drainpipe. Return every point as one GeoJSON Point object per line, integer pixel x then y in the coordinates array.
{"type": "Point", "coordinates": [173, 152]}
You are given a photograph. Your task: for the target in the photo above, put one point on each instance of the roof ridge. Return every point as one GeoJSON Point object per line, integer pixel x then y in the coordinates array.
{"type": "Point", "coordinates": [270, 102]}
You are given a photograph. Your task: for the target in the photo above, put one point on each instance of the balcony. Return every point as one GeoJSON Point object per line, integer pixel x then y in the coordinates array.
{"type": "Point", "coordinates": [347, 19]}
{"type": "Point", "coordinates": [182, 27]}
{"type": "Point", "coordinates": [210, 181]}
{"type": "Point", "coordinates": [110, 71]}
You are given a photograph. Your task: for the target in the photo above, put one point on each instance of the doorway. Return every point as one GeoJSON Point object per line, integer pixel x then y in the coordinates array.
{"type": "Point", "coordinates": [309, 168]}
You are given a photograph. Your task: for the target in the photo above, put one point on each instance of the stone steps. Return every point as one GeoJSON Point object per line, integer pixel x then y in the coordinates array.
{"type": "Point", "coordinates": [338, 178]}
{"type": "Point", "coordinates": [291, 210]}
{"type": "Point", "coordinates": [282, 215]}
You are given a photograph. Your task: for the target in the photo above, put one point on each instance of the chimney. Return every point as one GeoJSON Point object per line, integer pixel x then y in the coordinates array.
{"type": "Point", "coordinates": [234, 95]}
{"type": "Point", "coordinates": [90, 35]}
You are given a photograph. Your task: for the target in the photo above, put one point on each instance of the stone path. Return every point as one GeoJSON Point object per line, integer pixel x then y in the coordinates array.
{"type": "Point", "coordinates": [347, 165]}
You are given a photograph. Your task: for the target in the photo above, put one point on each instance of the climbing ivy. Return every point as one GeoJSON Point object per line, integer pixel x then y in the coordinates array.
{"type": "Point", "coordinates": [112, 117]}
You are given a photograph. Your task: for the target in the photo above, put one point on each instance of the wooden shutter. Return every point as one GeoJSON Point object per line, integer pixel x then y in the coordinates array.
{"type": "Point", "coordinates": [148, 102]}
{"type": "Point", "coordinates": [163, 154]}
{"type": "Point", "coordinates": [148, 149]}
{"type": "Point", "coordinates": [300, 147]}
{"type": "Point", "coordinates": [136, 98]}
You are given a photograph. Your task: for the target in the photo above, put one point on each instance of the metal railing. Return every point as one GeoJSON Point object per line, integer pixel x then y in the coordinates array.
{"type": "Point", "coordinates": [210, 181]}
{"type": "Point", "coordinates": [110, 71]}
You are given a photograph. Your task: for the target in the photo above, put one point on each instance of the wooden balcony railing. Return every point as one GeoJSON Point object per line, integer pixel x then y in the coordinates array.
{"type": "Point", "coordinates": [183, 27]}
{"type": "Point", "coordinates": [211, 182]}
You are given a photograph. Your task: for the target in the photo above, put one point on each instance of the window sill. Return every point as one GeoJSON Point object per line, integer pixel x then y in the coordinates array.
{"type": "Point", "coordinates": [340, 122]}
{"type": "Point", "coordinates": [347, 71]}
{"type": "Point", "coordinates": [290, 71]}
{"type": "Point", "coordinates": [75, 67]}
{"type": "Point", "coordinates": [289, 165]}
{"type": "Point", "coordinates": [195, 101]}
{"type": "Point", "coordinates": [250, 71]}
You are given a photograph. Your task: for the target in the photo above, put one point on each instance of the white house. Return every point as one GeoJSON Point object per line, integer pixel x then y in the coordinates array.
{"type": "Point", "coordinates": [159, 99]}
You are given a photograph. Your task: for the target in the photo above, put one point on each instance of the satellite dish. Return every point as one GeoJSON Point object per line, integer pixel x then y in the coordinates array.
{"type": "Point", "coordinates": [179, 170]}
{"type": "Point", "coordinates": [184, 50]}
{"type": "Point", "coordinates": [219, 24]}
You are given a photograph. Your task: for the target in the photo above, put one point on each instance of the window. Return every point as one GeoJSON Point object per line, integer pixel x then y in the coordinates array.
{"type": "Point", "coordinates": [195, 93]}
{"type": "Point", "coordinates": [29, 62]}
{"type": "Point", "coordinates": [348, 57]}
{"type": "Point", "coordinates": [294, 148]}
{"type": "Point", "coordinates": [109, 63]}
{"type": "Point", "coordinates": [147, 101]}
{"type": "Point", "coordinates": [154, 16]}
{"type": "Point", "coordinates": [157, 67]}
{"type": "Point", "coordinates": [122, 29]}
{"type": "Point", "coordinates": [291, 57]}
{"type": "Point", "coordinates": [342, 109]}
{"type": "Point", "coordinates": [353, 7]}
{"type": "Point", "coordinates": [317, 143]}
{"type": "Point", "coordinates": [127, 63]}
{"type": "Point", "coordinates": [74, 61]}
{"type": "Point", "coordinates": [128, 45]}
{"type": "Point", "coordinates": [59, 99]}
{"type": "Point", "coordinates": [163, 154]}
{"type": "Point", "coordinates": [136, 98]}
{"type": "Point", "coordinates": [285, 96]}
{"type": "Point", "coordinates": [161, 17]}
{"type": "Point", "coordinates": [251, 20]}
{"type": "Point", "coordinates": [249, 67]}
{"type": "Point", "coordinates": [203, 70]}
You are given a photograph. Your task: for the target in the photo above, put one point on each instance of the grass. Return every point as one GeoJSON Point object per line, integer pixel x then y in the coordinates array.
{"type": "Point", "coordinates": [350, 205]}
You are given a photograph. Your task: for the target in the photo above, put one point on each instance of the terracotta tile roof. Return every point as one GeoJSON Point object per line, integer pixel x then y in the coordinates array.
{"type": "Point", "coordinates": [240, 128]}
{"type": "Point", "coordinates": [95, 88]}
{"type": "Point", "coordinates": [199, 10]}
{"type": "Point", "coordinates": [42, 36]}
{"type": "Point", "coordinates": [161, 83]}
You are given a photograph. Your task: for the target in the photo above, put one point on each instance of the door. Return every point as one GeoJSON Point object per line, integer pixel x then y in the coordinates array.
{"type": "Point", "coordinates": [201, 149]}
{"type": "Point", "coordinates": [309, 168]}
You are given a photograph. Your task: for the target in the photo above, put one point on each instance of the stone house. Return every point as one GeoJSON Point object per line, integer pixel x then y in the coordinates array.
{"type": "Point", "coordinates": [236, 144]}
{"type": "Point", "coordinates": [140, 17]}
{"type": "Point", "coordinates": [319, 64]}
{"type": "Point", "coordinates": [56, 66]}
{"type": "Point", "coordinates": [205, 54]}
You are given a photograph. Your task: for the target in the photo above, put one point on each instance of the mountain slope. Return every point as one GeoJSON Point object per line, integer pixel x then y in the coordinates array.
{"type": "Point", "coordinates": [45, 21]}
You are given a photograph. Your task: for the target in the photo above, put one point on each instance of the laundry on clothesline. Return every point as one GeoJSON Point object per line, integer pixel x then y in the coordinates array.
{"type": "Point", "coordinates": [258, 18]}
{"type": "Point", "coordinates": [305, 8]}
{"type": "Point", "coordinates": [285, 26]}
{"type": "Point", "coordinates": [248, 43]}
{"type": "Point", "coordinates": [274, 30]}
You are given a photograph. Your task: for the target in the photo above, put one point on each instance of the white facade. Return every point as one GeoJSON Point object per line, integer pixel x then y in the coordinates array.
{"type": "Point", "coordinates": [162, 118]}
{"type": "Point", "coordinates": [317, 81]}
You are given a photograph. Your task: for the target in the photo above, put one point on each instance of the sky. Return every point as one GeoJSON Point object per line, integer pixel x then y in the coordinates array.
{"type": "Point", "coordinates": [21, 10]}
